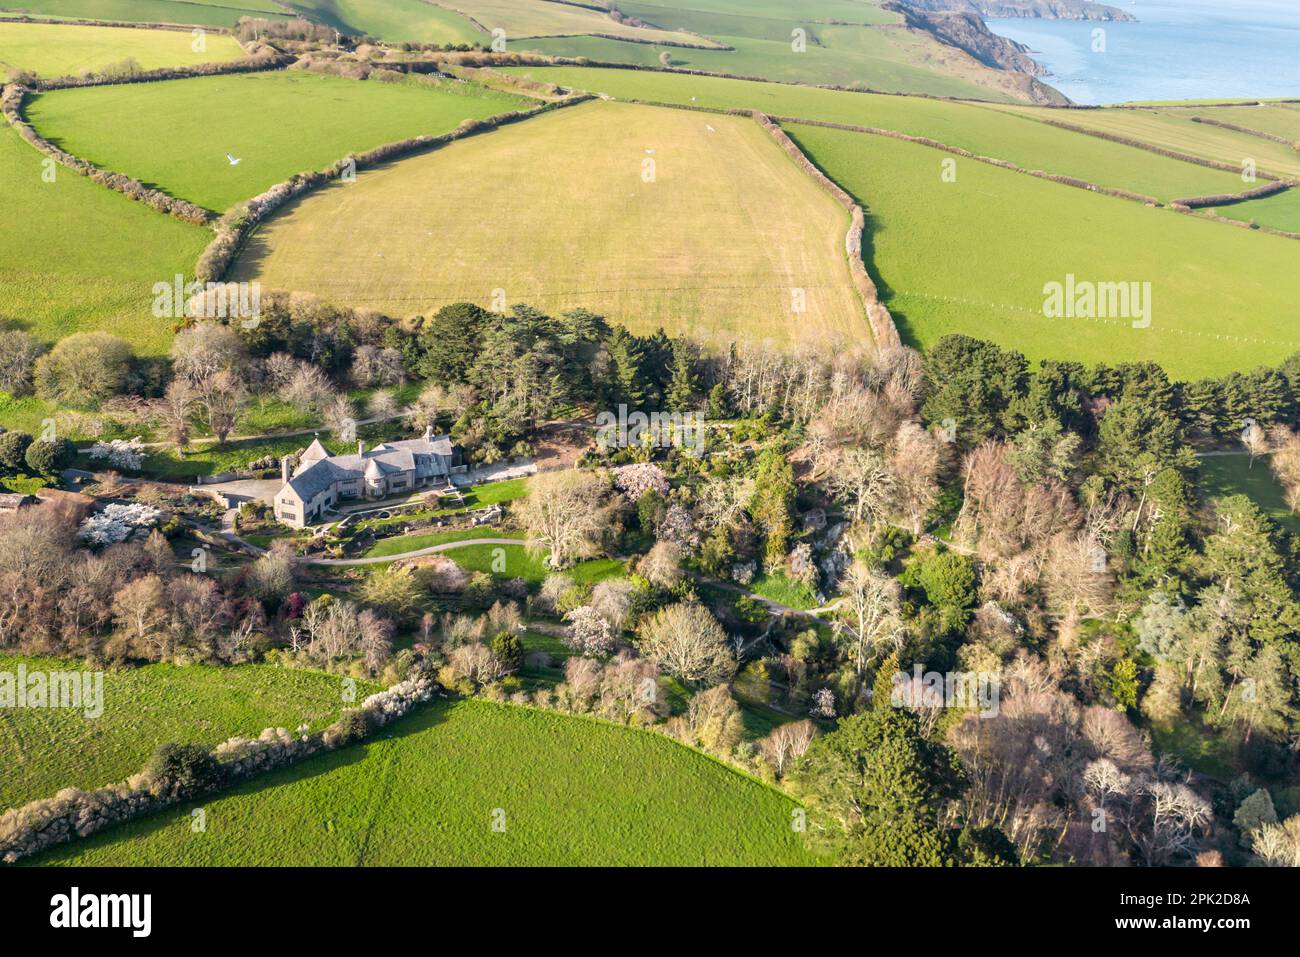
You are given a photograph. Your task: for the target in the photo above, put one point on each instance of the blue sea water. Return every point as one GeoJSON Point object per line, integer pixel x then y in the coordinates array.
{"type": "Point", "coordinates": [1178, 50]}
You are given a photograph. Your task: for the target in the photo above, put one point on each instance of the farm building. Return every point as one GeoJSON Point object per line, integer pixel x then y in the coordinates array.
{"type": "Point", "coordinates": [320, 480]}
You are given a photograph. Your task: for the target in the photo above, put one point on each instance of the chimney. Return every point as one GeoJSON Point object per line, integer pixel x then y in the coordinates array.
{"type": "Point", "coordinates": [361, 448]}
{"type": "Point", "coordinates": [284, 469]}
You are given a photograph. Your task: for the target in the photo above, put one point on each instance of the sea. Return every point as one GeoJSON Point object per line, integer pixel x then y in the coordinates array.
{"type": "Point", "coordinates": [1177, 50]}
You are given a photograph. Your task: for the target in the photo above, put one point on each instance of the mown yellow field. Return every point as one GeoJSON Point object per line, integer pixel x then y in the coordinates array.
{"type": "Point", "coordinates": [58, 49]}
{"type": "Point", "coordinates": [651, 216]}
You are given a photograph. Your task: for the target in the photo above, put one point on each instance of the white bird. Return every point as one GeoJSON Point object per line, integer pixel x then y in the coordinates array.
{"type": "Point", "coordinates": [709, 128]}
{"type": "Point", "coordinates": [233, 161]}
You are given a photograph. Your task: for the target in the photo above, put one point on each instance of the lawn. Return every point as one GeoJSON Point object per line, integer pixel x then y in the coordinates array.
{"type": "Point", "coordinates": [1223, 475]}
{"type": "Point", "coordinates": [1222, 298]}
{"type": "Point", "coordinates": [779, 588]}
{"type": "Point", "coordinates": [1281, 211]}
{"type": "Point", "coordinates": [491, 493]}
{"type": "Point", "coordinates": [428, 791]}
{"type": "Point", "coordinates": [517, 561]}
{"type": "Point", "coordinates": [287, 122]}
{"type": "Point", "coordinates": [413, 20]}
{"type": "Point", "coordinates": [981, 130]}
{"type": "Point", "coordinates": [409, 543]}
{"type": "Point", "coordinates": [715, 244]}
{"type": "Point", "coordinates": [44, 750]}
{"type": "Point", "coordinates": [214, 13]}
{"type": "Point", "coordinates": [64, 49]}
{"type": "Point", "coordinates": [76, 256]}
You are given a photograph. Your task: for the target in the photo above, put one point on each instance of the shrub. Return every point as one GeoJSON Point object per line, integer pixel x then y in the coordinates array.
{"type": "Point", "coordinates": [13, 450]}
{"type": "Point", "coordinates": [184, 768]}
{"type": "Point", "coordinates": [50, 456]}
{"type": "Point", "coordinates": [352, 726]}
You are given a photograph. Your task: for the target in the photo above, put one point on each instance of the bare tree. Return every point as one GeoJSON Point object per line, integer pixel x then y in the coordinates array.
{"type": "Point", "coordinates": [861, 480]}
{"type": "Point", "coordinates": [869, 621]}
{"type": "Point", "coordinates": [689, 643]}
{"type": "Point", "coordinates": [565, 513]}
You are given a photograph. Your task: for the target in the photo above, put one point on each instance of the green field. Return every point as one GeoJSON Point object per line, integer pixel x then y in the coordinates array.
{"type": "Point", "coordinates": [714, 245]}
{"type": "Point", "coordinates": [517, 561]}
{"type": "Point", "coordinates": [981, 130]}
{"type": "Point", "coordinates": [568, 791]}
{"type": "Point", "coordinates": [76, 256]}
{"type": "Point", "coordinates": [413, 20]}
{"type": "Point", "coordinates": [1222, 298]}
{"type": "Point", "coordinates": [288, 122]}
{"type": "Point", "coordinates": [1171, 129]}
{"type": "Point", "coordinates": [1275, 118]}
{"type": "Point", "coordinates": [537, 18]}
{"type": "Point", "coordinates": [1281, 211]}
{"type": "Point", "coordinates": [48, 49]}
{"type": "Point", "coordinates": [45, 750]}
{"type": "Point", "coordinates": [869, 59]}
{"type": "Point", "coordinates": [1224, 475]}
{"type": "Point", "coordinates": [765, 19]}
{"type": "Point", "coordinates": [215, 13]}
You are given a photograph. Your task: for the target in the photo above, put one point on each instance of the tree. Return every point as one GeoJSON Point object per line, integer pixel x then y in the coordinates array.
{"type": "Point", "coordinates": [13, 450]}
{"type": "Point", "coordinates": [772, 505]}
{"type": "Point", "coordinates": [203, 349]}
{"type": "Point", "coordinates": [450, 340]}
{"type": "Point", "coordinates": [395, 591]}
{"type": "Point", "coordinates": [565, 513]}
{"type": "Point", "coordinates": [50, 456]}
{"type": "Point", "coordinates": [18, 354]}
{"type": "Point", "coordinates": [684, 384]}
{"type": "Point", "coordinates": [83, 369]}
{"type": "Point", "coordinates": [949, 583]}
{"type": "Point", "coordinates": [222, 399]}
{"type": "Point", "coordinates": [175, 409]}
{"type": "Point", "coordinates": [687, 641]}
{"type": "Point", "coordinates": [869, 619]}
{"type": "Point", "coordinates": [877, 788]}
{"type": "Point", "coordinates": [861, 480]}
{"type": "Point", "coordinates": [141, 614]}
{"type": "Point", "coordinates": [914, 468]}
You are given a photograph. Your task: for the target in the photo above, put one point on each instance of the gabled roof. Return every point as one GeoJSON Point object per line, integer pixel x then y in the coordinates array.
{"type": "Point", "coordinates": [318, 471]}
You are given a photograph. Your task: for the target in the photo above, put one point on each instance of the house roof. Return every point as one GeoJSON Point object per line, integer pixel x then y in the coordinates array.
{"type": "Point", "coordinates": [425, 458]}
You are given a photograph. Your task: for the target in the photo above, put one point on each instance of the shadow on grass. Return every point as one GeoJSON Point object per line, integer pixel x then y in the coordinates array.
{"type": "Point", "coordinates": [428, 716]}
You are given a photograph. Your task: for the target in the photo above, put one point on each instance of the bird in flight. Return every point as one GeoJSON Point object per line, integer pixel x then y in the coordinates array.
{"type": "Point", "coordinates": [233, 160]}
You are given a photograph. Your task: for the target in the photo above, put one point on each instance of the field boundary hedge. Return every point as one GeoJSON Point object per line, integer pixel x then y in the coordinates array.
{"type": "Point", "coordinates": [1150, 147]}
{"type": "Point", "coordinates": [989, 160]}
{"type": "Point", "coordinates": [262, 62]}
{"type": "Point", "coordinates": [1247, 130]}
{"type": "Point", "coordinates": [175, 27]}
{"type": "Point", "coordinates": [234, 228]}
{"type": "Point", "coordinates": [12, 98]}
{"type": "Point", "coordinates": [72, 813]}
{"type": "Point", "coordinates": [883, 329]}
{"type": "Point", "coordinates": [1229, 199]}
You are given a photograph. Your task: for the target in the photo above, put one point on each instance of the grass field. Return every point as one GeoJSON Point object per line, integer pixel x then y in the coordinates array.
{"type": "Point", "coordinates": [975, 128]}
{"type": "Point", "coordinates": [713, 246]}
{"type": "Point", "coordinates": [1281, 211]}
{"type": "Point", "coordinates": [516, 561]}
{"type": "Point", "coordinates": [62, 49]}
{"type": "Point", "coordinates": [1171, 128]}
{"type": "Point", "coordinates": [873, 60]}
{"type": "Point", "coordinates": [393, 20]}
{"type": "Point", "coordinates": [44, 750]}
{"type": "Point", "coordinates": [215, 13]}
{"type": "Point", "coordinates": [76, 256]}
{"type": "Point", "coordinates": [1223, 475]}
{"type": "Point", "coordinates": [1222, 298]}
{"type": "Point", "coordinates": [427, 791]}
{"type": "Point", "coordinates": [765, 19]}
{"type": "Point", "coordinates": [536, 18]}
{"type": "Point", "coordinates": [288, 122]}
{"type": "Point", "coordinates": [1276, 118]}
